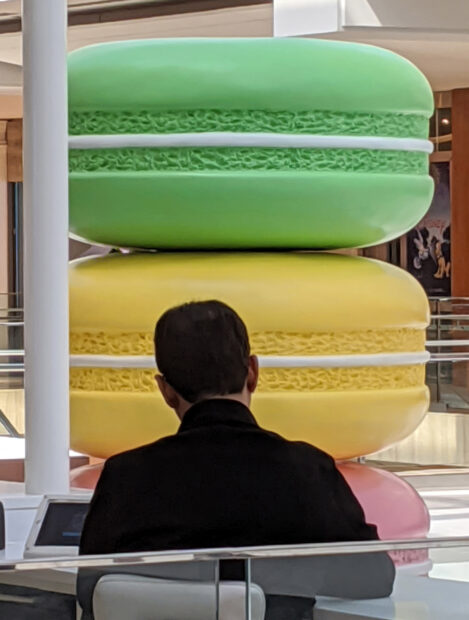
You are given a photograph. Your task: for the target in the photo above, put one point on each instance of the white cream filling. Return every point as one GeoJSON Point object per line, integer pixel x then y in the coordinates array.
{"type": "Point", "coordinates": [255, 140]}
{"type": "Point", "coordinates": [265, 361]}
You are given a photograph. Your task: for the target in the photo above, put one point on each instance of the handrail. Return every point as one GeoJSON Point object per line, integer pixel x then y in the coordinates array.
{"type": "Point", "coordinates": [433, 298]}
{"type": "Point", "coordinates": [269, 362]}
{"type": "Point", "coordinates": [429, 344]}
{"type": "Point", "coordinates": [447, 343]}
{"type": "Point", "coordinates": [8, 426]}
{"type": "Point", "coordinates": [447, 317]}
{"type": "Point", "coordinates": [7, 322]}
{"type": "Point", "coordinates": [12, 311]}
{"type": "Point", "coordinates": [449, 357]}
{"type": "Point", "coordinates": [238, 553]}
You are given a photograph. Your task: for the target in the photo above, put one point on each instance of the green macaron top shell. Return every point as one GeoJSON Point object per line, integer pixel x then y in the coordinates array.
{"type": "Point", "coordinates": [272, 75]}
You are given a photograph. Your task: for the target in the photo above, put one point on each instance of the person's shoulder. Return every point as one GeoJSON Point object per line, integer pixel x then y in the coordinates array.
{"type": "Point", "coordinates": [303, 450]}
{"type": "Point", "coordinates": [139, 454]}
{"type": "Point", "coordinates": [312, 453]}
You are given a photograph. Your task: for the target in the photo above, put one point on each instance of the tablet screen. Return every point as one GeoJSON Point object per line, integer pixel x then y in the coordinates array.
{"type": "Point", "coordinates": [62, 524]}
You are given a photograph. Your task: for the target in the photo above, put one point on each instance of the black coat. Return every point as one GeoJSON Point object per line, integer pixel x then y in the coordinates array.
{"type": "Point", "coordinates": [221, 481]}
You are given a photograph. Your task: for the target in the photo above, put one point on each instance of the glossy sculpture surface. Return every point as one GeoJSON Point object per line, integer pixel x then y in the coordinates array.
{"type": "Point", "coordinates": [246, 143]}
{"type": "Point", "coordinates": [267, 144]}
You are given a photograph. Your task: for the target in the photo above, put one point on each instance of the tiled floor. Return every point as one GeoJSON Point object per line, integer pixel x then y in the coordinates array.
{"type": "Point", "coordinates": [446, 493]}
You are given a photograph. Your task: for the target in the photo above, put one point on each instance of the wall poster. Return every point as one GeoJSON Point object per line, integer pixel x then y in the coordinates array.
{"type": "Point", "coordinates": [429, 243]}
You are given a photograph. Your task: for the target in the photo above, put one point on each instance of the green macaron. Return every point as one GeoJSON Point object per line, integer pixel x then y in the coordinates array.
{"type": "Point", "coordinates": [246, 143]}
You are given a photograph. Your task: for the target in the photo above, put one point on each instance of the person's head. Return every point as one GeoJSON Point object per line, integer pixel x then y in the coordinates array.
{"type": "Point", "coordinates": [202, 351]}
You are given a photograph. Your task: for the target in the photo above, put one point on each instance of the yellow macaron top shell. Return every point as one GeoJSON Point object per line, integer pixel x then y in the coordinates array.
{"type": "Point", "coordinates": [273, 293]}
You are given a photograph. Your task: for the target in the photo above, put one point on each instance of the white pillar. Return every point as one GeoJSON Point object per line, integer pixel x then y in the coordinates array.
{"type": "Point", "coordinates": [46, 246]}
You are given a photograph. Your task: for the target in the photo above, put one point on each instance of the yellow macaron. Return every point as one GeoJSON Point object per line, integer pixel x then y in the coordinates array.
{"type": "Point", "coordinates": [341, 342]}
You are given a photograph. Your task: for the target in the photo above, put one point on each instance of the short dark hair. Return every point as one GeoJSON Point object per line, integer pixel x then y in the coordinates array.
{"type": "Point", "coordinates": [202, 350]}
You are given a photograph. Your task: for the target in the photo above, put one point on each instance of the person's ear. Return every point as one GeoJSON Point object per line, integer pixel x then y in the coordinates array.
{"type": "Point", "coordinates": [169, 394]}
{"type": "Point", "coordinates": [253, 374]}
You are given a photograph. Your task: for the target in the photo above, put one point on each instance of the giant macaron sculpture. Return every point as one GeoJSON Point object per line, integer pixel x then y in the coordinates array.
{"type": "Point", "coordinates": [246, 143]}
{"type": "Point", "coordinates": [233, 145]}
{"type": "Point", "coordinates": [341, 341]}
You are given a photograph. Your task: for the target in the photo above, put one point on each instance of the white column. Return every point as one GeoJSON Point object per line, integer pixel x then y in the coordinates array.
{"type": "Point", "coordinates": [46, 246]}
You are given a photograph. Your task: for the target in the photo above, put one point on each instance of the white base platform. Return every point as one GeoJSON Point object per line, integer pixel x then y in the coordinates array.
{"type": "Point", "coordinates": [13, 448]}
{"type": "Point", "coordinates": [20, 511]}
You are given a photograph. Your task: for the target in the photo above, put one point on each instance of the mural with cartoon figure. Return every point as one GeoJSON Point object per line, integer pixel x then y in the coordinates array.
{"type": "Point", "coordinates": [429, 243]}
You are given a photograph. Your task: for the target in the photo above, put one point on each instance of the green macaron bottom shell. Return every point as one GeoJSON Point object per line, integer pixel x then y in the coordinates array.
{"type": "Point", "coordinates": [171, 210]}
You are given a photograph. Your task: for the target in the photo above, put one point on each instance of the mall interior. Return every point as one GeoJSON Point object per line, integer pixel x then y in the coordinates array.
{"type": "Point", "coordinates": [305, 161]}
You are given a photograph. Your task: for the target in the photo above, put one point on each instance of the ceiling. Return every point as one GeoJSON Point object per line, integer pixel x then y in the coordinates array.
{"type": "Point", "coordinates": [250, 21]}
{"type": "Point", "coordinates": [111, 10]}
{"type": "Point", "coordinates": [443, 58]}
{"type": "Point", "coordinates": [10, 8]}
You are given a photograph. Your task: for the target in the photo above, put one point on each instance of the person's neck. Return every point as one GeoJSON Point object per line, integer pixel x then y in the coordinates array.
{"type": "Point", "coordinates": [241, 397]}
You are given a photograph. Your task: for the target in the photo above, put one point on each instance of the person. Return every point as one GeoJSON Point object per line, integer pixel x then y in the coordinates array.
{"type": "Point", "coordinates": [221, 480]}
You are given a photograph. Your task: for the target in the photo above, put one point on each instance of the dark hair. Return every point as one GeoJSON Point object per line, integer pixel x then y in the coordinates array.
{"type": "Point", "coordinates": [202, 350]}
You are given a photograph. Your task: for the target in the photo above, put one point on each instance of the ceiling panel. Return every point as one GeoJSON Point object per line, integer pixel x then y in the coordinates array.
{"type": "Point", "coordinates": [13, 7]}
{"type": "Point", "coordinates": [442, 59]}
{"type": "Point", "coordinates": [9, 8]}
{"type": "Point", "coordinates": [249, 21]}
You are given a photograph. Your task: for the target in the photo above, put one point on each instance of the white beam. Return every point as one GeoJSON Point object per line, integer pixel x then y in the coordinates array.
{"type": "Point", "coordinates": [46, 246]}
{"type": "Point", "coordinates": [302, 17]}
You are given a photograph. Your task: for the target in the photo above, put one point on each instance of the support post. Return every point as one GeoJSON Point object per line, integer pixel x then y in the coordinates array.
{"type": "Point", "coordinates": [459, 194]}
{"type": "Point", "coordinates": [46, 246]}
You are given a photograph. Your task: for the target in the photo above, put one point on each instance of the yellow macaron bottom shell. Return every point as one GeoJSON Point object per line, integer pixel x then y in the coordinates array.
{"type": "Point", "coordinates": [345, 424]}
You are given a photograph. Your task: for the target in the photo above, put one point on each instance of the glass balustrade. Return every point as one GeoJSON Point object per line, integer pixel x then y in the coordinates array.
{"type": "Point", "coordinates": [447, 371]}
{"type": "Point", "coordinates": [343, 581]}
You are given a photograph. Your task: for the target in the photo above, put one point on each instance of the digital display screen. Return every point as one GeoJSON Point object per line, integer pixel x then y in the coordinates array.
{"type": "Point", "coordinates": [62, 524]}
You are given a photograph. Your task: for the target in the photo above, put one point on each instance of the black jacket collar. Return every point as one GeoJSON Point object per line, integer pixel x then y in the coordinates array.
{"type": "Point", "coordinates": [217, 411]}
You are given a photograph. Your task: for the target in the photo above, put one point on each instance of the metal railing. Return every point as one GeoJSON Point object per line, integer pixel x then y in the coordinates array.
{"type": "Point", "coordinates": [237, 553]}
{"type": "Point", "coordinates": [447, 343]}
{"type": "Point", "coordinates": [441, 324]}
